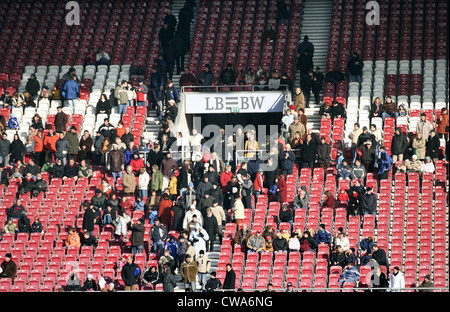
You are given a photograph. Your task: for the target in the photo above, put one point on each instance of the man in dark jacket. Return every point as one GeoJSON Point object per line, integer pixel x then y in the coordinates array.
{"type": "Point", "coordinates": [432, 146]}
{"type": "Point", "coordinates": [23, 224]}
{"type": "Point", "coordinates": [379, 255]}
{"type": "Point", "coordinates": [116, 162]}
{"type": "Point", "coordinates": [306, 45]}
{"type": "Point", "coordinates": [337, 257]}
{"type": "Point", "coordinates": [62, 148]}
{"type": "Point", "coordinates": [211, 227]}
{"type": "Point", "coordinates": [32, 168]}
{"type": "Point", "coordinates": [27, 184]}
{"type": "Point", "coordinates": [158, 235]}
{"type": "Point", "coordinates": [61, 120]}
{"type": "Point", "coordinates": [280, 243]}
{"type": "Point", "coordinates": [230, 278]}
{"type": "Point", "coordinates": [88, 240]}
{"type": "Point", "coordinates": [399, 145]}
{"type": "Point", "coordinates": [33, 86]}
{"type": "Point", "coordinates": [368, 155]}
{"type": "Point", "coordinates": [369, 203]}
{"type": "Point", "coordinates": [9, 267]}
{"type": "Point", "coordinates": [89, 219]}
{"type": "Point", "coordinates": [324, 153]}
{"type": "Point", "coordinates": [5, 149]}
{"type": "Point", "coordinates": [71, 169]}
{"type": "Point", "coordinates": [309, 152]}
{"type": "Point", "coordinates": [305, 62]}
{"type": "Point", "coordinates": [165, 35]}
{"type": "Point", "coordinates": [322, 235]}
{"type": "Point", "coordinates": [39, 186]}
{"type": "Point", "coordinates": [137, 236]}
{"type": "Point", "coordinates": [287, 162]}
{"type": "Point", "coordinates": [317, 82]}
{"type": "Point", "coordinates": [169, 282]}
{"type": "Point", "coordinates": [306, 85]}
{"type": "Point", "coordinates": [206, 77]}
{"type": "Point", "coordinates": [228, 76]}
{"type": "Point", "coordinates": [354, 66]}
{"type": "Point", "coordinates": [213, 283]}
{"type": "Point", "coordinates": [130, 274]}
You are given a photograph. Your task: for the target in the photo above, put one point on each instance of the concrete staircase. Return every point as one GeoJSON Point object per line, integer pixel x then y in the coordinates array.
{"type": "Point", "coordinates": [152, 123]}
{"type": "Point", "coordinates": [316, 18]}
{"type": "Point", "coordinates": [177, 5]}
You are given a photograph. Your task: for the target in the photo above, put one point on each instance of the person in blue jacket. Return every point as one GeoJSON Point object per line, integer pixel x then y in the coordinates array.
{"type": "Point", "coordinates": [367, 244]}
{"type": "Point", "coordinates": [322, 235]}
{"type": "Point", "coordinates": [384, 162]}
{"type": "Point", "coordinates": [350, 274]}
{"type": "Point", "coordinates": [287, 161]}
{"type": "Point", "coordinates": [71, 91]}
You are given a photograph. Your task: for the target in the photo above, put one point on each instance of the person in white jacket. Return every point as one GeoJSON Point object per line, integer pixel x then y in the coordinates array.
{"type": "Point", "coordinates": [144, 179]}
{"type": "Point", "coordinates": [343, 241]}
{"type": "Point", "coordinates": [121, 227]}
{"type": "Point", "coordinates": [190, 213]}
{"type": "Point", "coordinates": [199, 237]}
{"type": "Point", "coordinates": [397, 280]}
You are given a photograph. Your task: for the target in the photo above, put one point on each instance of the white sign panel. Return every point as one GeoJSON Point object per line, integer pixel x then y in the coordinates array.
{"type": "Point", "coordinates": [238, 102]}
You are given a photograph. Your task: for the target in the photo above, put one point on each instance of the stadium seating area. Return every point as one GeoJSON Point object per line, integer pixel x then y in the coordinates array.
{"type": "Point", "coordinates": [232, 31]}
{"type": "Point", "coordinates": [404, 57]}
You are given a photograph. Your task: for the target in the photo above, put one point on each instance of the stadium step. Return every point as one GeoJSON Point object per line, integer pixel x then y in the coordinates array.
{"type": "Point", "coordinates": [315, 24]}
{"type": "Point", "coordinates": [176, 6]}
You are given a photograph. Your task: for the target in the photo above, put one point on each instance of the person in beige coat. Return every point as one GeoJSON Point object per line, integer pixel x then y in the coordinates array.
{"type": "Point", "coordinates": [189, 271]}
{"type": "Point", "coordinates": [296, 126]}
{"type": "Point", "coordinates": [129, 181]}
{"type": "Point", "coordinates": [424, 126]}
{"type": "Point", "coordinates": [414, 165]}
{"type": "Point", "coordinates": [419, 145]}
{"type": "Point", "coordinates": [219, 213]}
{"type": "Point", "coordinates": [299, 99]}
{"type": "Point", "coordinates": [238, 209]}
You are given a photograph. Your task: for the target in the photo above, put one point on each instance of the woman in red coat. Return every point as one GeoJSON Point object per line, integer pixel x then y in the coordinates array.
{"type": "Point", "coordinates": [136, 164]}
{"type": "Point", "coordinates": [258, 183]}
{"type": "Point", "coordinates": [282, 188]}
{"type": "Point", "coordinates": [165, 211]}
{"type": "Point", "coordinates": [443, 124]}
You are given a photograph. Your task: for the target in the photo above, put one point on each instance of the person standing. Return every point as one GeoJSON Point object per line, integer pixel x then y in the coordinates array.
{"type": "Point", "coordinates": [137, 236]}
{"type": "Point", "coordinates": [355, 66]}
{"type": "Point", "coordinates": [5, 149]}
{"type": "Point", "coordinates": [141, 93]}
{"type": "Point", "coordinates": [33, 86]}
{"type": "Point", "coordinates": [399, 145]}
{"type": "Point", "coordinates": [72, 138]}
{"type": "Point", "coordinates": [397, 280]}
{"type": "Point", "coordinates": [230, 278]}
{"type": "Point", "coordinates": [169, 282]}
{"type": "Point", "coordinates": [71, 92]}
{"type": "Point", "coordinates": [306, 85]}
{"type": "Point", "coordinates": [121, 94]}
{"type": "Point", "coordinates": [62, 148]}
{"type": "Point", "coordinates": [158, 235]}
{"type": "Point", "coordinates": [317, 82]}
{"type": "Point", "coordinates": [189, 271]}
{"type": "Point", "coordinates": [204, 265]}
{"type": "Point", "coordinates": [130, 274]}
